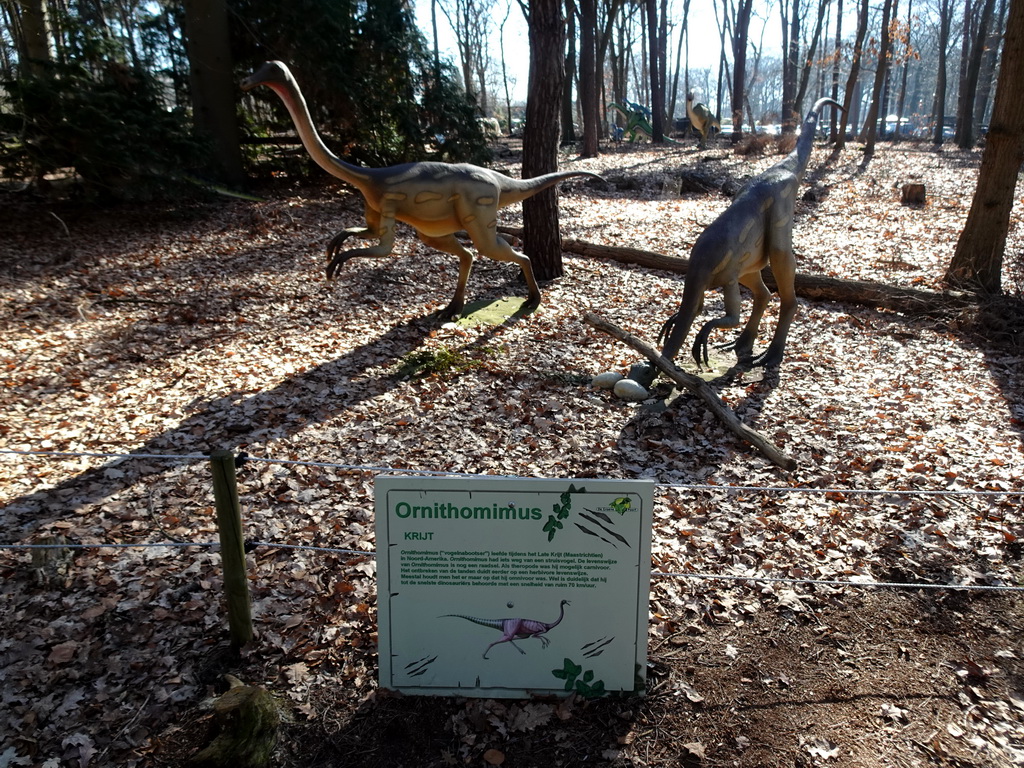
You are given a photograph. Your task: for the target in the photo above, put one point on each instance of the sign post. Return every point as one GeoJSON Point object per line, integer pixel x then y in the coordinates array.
{"type": "Point", "coordinates": [508, 587]}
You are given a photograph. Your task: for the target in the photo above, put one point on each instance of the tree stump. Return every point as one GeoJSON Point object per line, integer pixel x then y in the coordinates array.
{"type": "Point", "coordinates": [246, 720]}
{"type": "Point", "coordinates": [913, 194]}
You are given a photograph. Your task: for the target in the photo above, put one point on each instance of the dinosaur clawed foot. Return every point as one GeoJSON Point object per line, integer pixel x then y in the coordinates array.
{"type": "Point", "coordinates": [452, 311]}
{"type": "Point", "coordinates": [336, 263]}
{"type": "Point", "coordinates": [666, 328]}
{"type": "Point", "coordinates": [766, 360]}
{"type": "Point", "coordinates": [700, 348]}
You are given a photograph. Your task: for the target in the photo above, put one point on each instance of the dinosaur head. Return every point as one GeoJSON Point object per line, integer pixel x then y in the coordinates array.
{"type": "Point", "coordinates": [269, 73]}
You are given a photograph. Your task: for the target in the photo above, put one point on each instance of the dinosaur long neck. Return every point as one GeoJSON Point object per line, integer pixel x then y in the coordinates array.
{"type": "Point", "coordinates": [561, 614]}
{"type": "Point", "coordinates": [322, 156]}
{"type": "Point", "coordinates": [689, 111]}
{"type": "Point", "coordinates": [802, 154]}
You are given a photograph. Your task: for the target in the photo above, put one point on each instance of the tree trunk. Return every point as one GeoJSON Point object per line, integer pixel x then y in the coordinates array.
{"type": "Point", "coordinates": [986, 80]}
{"type": "Point", "coordinates": [654, 67]}
{"type": "Point", "coordinates": [870, 131]}
{"type": "Point", "coordinates": [34, 43]}
{"type": "Point", "coordinates": [674, 93]}
{"type": "Point", "coordinates": [741, 29]}
{"type": "Point", "coordinates": [541, 239]}
{"type": "Point", "coordinates": [805, 68]}
{"type": "Point", "coordinates": [851, 81]}
{"type": "Point", "coordinates": [906, 70]}
{"type": "Point", "coordinates": [939, 108]}
{"type": "Point", "coordinates": [967, 126]}
{"type": "Point", "coordinates": [568, 116]}
{"type": "Point", "coordinates": [834, 119]}
{"type": "Point", "coordinates": [589, 78]}
{"type": "Point", "coordinates": [213, 83]}
{"type": "Point", "coordinates": [790, 52]}
{"type": "Point", "coordinates": [978, 260]}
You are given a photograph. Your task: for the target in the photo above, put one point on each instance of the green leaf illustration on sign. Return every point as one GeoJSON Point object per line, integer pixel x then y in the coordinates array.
{"type": "Point", "coordinates": [561, 511]}
{"type": "Point", "coordinates": [576, 679]}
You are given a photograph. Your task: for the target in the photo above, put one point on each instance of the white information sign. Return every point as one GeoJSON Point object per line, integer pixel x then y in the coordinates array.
{"type": "Point", "coordinates": [506, 587]}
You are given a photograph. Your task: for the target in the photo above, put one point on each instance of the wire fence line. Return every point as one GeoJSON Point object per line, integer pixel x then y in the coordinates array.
{"type": "Point", "coordinates": [250, 545]}
{"type": "Point", "coordinates": [244, 457]}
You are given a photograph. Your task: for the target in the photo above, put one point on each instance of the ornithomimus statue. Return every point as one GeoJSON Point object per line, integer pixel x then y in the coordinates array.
{"type": "Point", "coordinates": [701, 119]}
{"type": "Point", "coordinates": [436, 199]}
{"type": "Point", "coordinates": [755, 231]}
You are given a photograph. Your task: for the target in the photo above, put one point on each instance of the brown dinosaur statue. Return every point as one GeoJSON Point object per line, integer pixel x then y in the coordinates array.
{"type": "Point", "coordinates": [701, 119]}
{"type": "Point", "coordinates": [436, 199]}
{"type": "Point", "coordinates": [755, 231]}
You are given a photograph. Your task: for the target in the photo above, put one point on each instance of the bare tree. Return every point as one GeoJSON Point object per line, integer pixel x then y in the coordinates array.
{"type": "Point", "coordinates": [966, 128]}
{"type": "Point", "coordinates": [978, 260]}
{"type": "Point", "coordinates": [470, 20]}
{"type": "Point", "coordinates": [789, 13]}
{"type": "Point", "coordinates": [837, 55]}
{"type": "Point", "coordinates": [808, 58]}
{"type": "Point", "coordinates": [656, 71]}
{"type": "Point", "coordinates": [986, 81]}
{"type": "Point", "coordinates": [740, 30]}
{"type": "Point", "coordinates": [939, 105]}
{"type": "Point", "coordinates": [870, 131]}
{"type": "Point", "coordinates": [588, 93]}
{"type": "Point", "coordinates": [851, 80]}
{"type": "Point", "coordinates": [568, 91]}
{"type": "Point", "coordinates": [504, 66]}
{"type": "Point", "coordinates": [906, 55]}
{"type": "Point", "coordinates": [541, 239]}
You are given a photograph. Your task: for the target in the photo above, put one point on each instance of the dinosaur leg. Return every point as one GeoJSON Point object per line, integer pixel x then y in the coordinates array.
{"type": "Point", "coordinates": [506, 639]}
{"type": "Point", "coordinates": [380, 224]}
{"type": "Point", "coordinates": [784, 269]}
{"type": "Point", "coordinates": [493, 247]}
{"type": "Point", "coordinates": [450, 244]}
{"type": "Point", "coordinates": [744, 344]}
{"type": "Point", "coordinates": [731, 318]}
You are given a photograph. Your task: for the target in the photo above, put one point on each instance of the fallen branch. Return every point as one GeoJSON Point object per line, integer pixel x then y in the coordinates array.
{"type": "Point", "coordinates": [910, 301]}
{"type": "Point", "coordinates": [698, 387]}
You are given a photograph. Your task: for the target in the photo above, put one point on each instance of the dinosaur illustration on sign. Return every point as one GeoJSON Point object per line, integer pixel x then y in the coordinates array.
{"type": "Point", "coordinates": [515, 629]}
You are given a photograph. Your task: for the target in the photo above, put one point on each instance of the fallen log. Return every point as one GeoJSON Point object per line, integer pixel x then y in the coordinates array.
{"type": "Point", "coordinates": [910, 301]}
{"type": "Point", "coordinates": [698, 387]}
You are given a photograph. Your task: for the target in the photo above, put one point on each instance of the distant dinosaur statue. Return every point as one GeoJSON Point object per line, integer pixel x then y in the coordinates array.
{"type": "Point", "coordinates": [513, 629]}
{"type": "Point", "coordinates": [436, 199]}
{"type": "Point", "coordinates": [755, 231]}
{"type": "Point", "coordinates": [701, 119]}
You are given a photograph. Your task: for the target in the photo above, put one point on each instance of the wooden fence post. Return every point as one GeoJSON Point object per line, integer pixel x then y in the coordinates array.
{"type": "Point", "coordinates": [232, 546]}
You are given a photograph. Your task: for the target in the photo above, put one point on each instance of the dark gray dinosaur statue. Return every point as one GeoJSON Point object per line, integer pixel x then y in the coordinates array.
{"type": "Point", "coordinates": [512, 629]}
{"type": "Point", "coordinates": [436, 199]}
{"type": "Point", "coordinates": [755, 231]}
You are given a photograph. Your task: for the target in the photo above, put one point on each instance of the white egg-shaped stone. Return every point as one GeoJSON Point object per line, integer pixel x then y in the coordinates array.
{"type": "Point", "coordinates": [630, 390]}
{"type": "Point", "coordinates": [606, 380]}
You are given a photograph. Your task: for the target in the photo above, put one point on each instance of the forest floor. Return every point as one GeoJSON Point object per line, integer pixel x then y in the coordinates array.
{"type": "Point", "coordinates": [174, 330]}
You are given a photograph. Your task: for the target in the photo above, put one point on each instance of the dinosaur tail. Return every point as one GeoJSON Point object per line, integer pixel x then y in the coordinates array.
{"type": "Point", "coordinates": [492, 623]}
{"type": "Point", "coordinates": [802, 153]}
{"type": "Point", "coordinates": [516, 190]}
